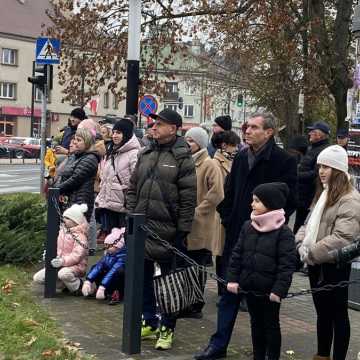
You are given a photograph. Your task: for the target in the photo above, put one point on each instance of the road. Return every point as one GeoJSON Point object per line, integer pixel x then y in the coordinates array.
{"type": "Point", "coordinates": [19, 178]}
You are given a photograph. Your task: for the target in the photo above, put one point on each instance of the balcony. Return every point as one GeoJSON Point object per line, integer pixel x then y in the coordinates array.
{"type": "Point", "coordinates": [171, 96]}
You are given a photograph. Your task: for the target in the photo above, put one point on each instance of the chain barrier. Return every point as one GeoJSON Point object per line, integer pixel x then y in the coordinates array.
{"type": "Point", "coordinates": [212, 275]}
{"type": "Point", "coordinates": [328, 287]}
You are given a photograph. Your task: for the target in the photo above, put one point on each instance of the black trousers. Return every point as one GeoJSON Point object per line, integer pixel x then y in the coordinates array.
{"type": "Point", "coordinates": [265, 327]}
{"type": "Point", "coordinates": [333, 325]}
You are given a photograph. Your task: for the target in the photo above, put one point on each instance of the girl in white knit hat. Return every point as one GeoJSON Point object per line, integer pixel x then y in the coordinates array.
{"type": "Point", "coordinates": [332, 224]}
{"type": "Point", "coordinates": [72, 250]}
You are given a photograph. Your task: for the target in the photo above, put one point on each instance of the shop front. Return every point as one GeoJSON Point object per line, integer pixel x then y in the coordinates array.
{"type": "Point", "coordinates": [16, 121]}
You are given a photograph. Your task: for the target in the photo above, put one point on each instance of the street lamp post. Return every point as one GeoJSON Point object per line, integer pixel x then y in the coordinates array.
{"type": "Point", "coordinates": [133, 63]}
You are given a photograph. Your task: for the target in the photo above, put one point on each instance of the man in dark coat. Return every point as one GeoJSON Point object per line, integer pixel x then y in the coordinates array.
{"type": "Point", "coordinates": [163, 187]}
{"type": "Point", "coordinates": [262, 162]}
{"type": "Point", "coordinates": [221, 123]}
{"type": "Point", "coordinates": [307, 170]}
{"type": "Point", "coordinates": [77, 115]}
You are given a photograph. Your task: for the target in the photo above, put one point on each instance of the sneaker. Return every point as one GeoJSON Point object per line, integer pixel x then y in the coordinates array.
{"type": "Point", "coordinates": [165, 339]}
{"type": "Point", "coordinates": [116, 298]}
{"type": "Point", "coordinates": [148, 332]}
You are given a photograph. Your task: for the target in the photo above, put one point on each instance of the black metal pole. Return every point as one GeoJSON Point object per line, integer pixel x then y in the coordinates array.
{"type": "Point", "coordinates": [134, 279]}
{"type": "Point", "coordinates": [32, 103]}
{"type": "Point", "coordinates": [132, 89]}
{"type": "Point", "coordinates": [53, 223]}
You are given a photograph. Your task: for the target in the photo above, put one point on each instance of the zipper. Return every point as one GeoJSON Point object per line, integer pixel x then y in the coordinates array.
{"type": "Point", "coordinates": [151, 185]}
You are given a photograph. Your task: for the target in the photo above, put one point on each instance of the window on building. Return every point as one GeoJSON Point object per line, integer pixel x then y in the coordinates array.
{"type": "Point", "coordinates": [106, 100]}
{"type": "Point", "coordinates": [190, 89]}
{"type": "Point", "coordinates": [170, 106]}
{"type": "Point", "coordinates": [9, 57]}
{"type": "Point", "coordinates": [115, 104]}
{"type": "Point", "coordinates": [171, 87]}
{"type": "Point", "coordinates": [7, 90]}
{"type": "Point", "coordinates": [7, 126]}
{"type": "Point", "coordinates": [189, 111]}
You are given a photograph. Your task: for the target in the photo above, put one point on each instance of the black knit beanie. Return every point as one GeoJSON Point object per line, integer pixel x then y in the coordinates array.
{"type": "Point", "coordinates": [272, 195]}
{"type": "Point", "coordinates": [224, 122]}
{"type": "Point", "coordinates": [127, 129]}
{"type": "Point", "coordinates": [78, 113]}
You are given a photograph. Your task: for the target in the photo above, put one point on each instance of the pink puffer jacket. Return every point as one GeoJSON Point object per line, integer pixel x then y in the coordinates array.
{"type": "Point", "coordinates": [74, 253]}
{"type": "Point", "coordinates": [115, 176]}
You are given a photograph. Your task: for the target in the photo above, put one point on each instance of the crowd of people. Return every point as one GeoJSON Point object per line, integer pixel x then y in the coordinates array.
{"type": "Point", "coordinates": [222, 202]}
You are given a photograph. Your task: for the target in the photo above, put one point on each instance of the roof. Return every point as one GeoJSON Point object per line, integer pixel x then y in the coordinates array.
{"type": "Point", "coordinates": [23, 17]}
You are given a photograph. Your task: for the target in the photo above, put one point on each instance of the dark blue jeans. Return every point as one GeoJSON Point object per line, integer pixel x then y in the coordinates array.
{"type": "Point", "coordinates": [228, 309]}
{"type": "Point", "coordinates": [149, 302]}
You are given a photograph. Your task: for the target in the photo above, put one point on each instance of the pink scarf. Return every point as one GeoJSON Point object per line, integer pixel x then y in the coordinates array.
{"type": "Point", "coordinates": [269, 221]}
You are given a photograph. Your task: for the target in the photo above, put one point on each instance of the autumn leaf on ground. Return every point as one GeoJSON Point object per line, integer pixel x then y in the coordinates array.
{"type": "Point", "coordinates": [7, 287]}
{"type": "Point", "coordinates": [30, 322]}
{"type": "Point", "coordinates": [48, 353]}
{"type": "Point", "coordinates": [31, 341]}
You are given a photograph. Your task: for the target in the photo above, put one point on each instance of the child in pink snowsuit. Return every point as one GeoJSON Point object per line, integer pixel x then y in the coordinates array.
{"type": "Point", "coordinates": [72, 250]}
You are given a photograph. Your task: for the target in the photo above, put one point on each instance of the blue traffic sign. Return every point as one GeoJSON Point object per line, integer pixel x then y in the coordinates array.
{"type": "Point", "coordinates": [148, 105]}
{"type": "Point", "coordinates": [47, 51]}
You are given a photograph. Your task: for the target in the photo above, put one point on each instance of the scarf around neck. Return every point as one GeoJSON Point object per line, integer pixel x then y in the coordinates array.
{"type": "Point", "coordinates": [269, 221]}
{"type": "Point", "coordinates": [313, 224]}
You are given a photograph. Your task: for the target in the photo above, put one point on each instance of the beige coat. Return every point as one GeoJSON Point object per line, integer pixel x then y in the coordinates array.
{"type": "Point", "coordinates": [339, 225]}
{"type": "Point", "coordinates": [224, 165]}
{"type": "Point", "coordinates": [210, 192]}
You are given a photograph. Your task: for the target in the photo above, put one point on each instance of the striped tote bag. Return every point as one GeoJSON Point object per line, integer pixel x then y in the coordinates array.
{"type": "Point", "coordinates": [178, 290]}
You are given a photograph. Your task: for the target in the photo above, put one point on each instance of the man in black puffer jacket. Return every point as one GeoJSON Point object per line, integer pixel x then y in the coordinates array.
{"type": "Point", "coordinates": [307, 170]}
{"type": "Point", "coordinates": [163, 187]}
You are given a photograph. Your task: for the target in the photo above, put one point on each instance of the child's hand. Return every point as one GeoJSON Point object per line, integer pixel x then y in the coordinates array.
{"type": "Point", "coordinates": [274, 298]}
{"type": "Point", "coordinates": [57, 262]}
{"type": "Point", "coordinates": [86, 289]}
{"type": "Point", "coordinates": [100, 294]}
{"type": "Point", "coordinates": [233, 287]}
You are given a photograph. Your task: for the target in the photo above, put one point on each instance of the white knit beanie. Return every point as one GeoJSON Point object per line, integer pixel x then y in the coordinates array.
{"type": "Point", "coordinates": [334, 156]}
{"type": "Point", "coordinates": [199, 135]}
{"type": "Point", "coordinates": [76, 213]}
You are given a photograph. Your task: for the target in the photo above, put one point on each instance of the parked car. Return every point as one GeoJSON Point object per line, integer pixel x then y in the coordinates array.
{"type": "Point", "coordinates": [14, 151]}
{"type": "Point", "coordinates": [31, 146]}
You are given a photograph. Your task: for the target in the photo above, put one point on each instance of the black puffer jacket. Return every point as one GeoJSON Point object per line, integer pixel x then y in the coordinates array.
{"type": "Point", "coordinates": [263, 262]}
{"type": "Point", "coordinates": [307, 173]}
{"type": "Point", "coordinates": [163, 187]}
{"type": "Point", "coordinates": [78, 178]}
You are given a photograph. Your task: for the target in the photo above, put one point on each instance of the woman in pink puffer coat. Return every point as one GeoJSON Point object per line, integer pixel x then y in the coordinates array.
{"type": "Point", "coordinates": [115, 175]}
{"type": "Point", "coordinates": [72, 250]}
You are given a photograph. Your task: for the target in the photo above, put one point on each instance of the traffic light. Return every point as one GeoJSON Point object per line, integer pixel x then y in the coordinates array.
{"type": "Point", "coordinates": [240, 100]}
{"type": "Point", "coordinates": [181, 103]}
{"type": "Point", "coordinates": [42, 76]}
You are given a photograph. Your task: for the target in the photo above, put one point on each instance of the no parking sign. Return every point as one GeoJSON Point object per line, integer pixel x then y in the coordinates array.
{"type": "Point", "coordinates": [147, 105]}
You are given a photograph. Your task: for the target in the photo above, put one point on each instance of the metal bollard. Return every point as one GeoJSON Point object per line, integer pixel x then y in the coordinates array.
{"type": "Point", "coordinates": [53, 223]}
{"type": "Point", "coordinates": [134, 279]}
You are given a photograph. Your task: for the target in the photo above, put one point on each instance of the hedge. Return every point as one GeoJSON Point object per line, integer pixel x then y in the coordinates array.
{"type": "Point", "coordinates": [22, 228]}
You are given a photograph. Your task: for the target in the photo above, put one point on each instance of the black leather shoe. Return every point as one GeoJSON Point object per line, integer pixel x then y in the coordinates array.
{"type": "Point", "coordinates": [211, 353]}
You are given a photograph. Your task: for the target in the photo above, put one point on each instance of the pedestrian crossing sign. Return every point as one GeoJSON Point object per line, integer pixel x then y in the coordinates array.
{"type": "Point", "coordinates": [47, 51]}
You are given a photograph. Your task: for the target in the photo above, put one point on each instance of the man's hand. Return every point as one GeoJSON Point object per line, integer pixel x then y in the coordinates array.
{"type": "Point", "coordinates": [275, 298]}
{"type": "Point", "coordinates": [61, 150]}
{"type": "Point", "coordinates": [233, 287]}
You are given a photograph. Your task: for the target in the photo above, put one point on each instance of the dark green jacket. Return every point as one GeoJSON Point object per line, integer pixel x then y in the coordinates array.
{"type": "Point", "coordinates": [163, 187]}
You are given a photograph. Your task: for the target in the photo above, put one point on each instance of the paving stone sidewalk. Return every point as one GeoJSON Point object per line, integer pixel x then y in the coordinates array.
{"type": "Point", "coordinates": [97, 326]}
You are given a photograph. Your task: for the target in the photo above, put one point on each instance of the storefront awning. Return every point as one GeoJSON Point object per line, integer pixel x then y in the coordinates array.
{"type": "Point", "coordinates": [19, 111]}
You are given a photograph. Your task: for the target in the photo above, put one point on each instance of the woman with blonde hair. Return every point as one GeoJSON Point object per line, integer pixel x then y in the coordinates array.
{"type": "Point", "coordinates": [333, 223]}
{"type": "Point", "coordinates": [77, 180]}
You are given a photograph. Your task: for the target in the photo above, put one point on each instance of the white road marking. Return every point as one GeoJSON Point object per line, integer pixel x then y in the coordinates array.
{"type": "Point", "coordinates": [19, 189]}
